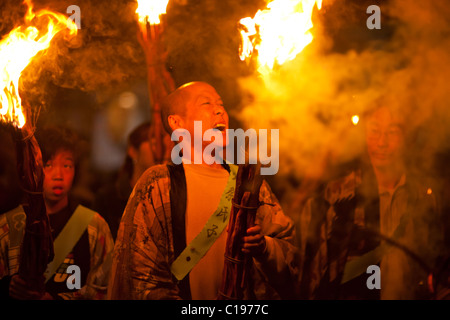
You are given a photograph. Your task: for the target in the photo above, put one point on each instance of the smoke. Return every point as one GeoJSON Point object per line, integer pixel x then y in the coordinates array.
{"type": "Point", "coordinates": [108, 54]}
{"type": "Point", "coordinates": [423, 40]}
{"type": "Point", "coordinates": [203, 43]}
{"type": "Point", "coordinates": [104, 56]}
{"type": "Point", "coordinates": [342, 73]}
{"type": "Point", "coordinates": [312, 98]}
{"type": "Point", "coordinates": [201, 38]}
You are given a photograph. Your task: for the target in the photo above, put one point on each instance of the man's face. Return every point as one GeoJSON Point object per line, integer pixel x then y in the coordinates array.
{"type": "Point", "coordinates": [385, 139]}
{"type": "Point", "coordinates": [59, 172]}
{"type": "Point", "coordinates": [205, 105]}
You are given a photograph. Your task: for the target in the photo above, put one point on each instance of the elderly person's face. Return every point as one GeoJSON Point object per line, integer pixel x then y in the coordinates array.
{"type": "Point", "coordinates": [204, 104]}
{"type": "Point", "coordinates": [385, 138]}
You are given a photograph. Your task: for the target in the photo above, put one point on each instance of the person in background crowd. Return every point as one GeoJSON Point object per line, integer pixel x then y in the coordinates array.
{"type": "Point", "coordinates": [91, 251]}
{"type": "Point", "coordinates": [379, 214]}
{"type": "Point", "coordinates": [111, 199]}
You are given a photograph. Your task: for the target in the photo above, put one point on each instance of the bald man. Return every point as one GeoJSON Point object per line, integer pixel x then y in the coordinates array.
{"type": "Point", "coordinates": [157, 253]}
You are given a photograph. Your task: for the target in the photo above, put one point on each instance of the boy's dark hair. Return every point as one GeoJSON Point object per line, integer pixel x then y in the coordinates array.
{"type": "Point", "coordinates": [55, 138]}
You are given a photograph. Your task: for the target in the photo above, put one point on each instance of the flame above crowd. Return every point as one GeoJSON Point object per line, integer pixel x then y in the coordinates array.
{"type": "Point", "coordinates": [278, 33]}
{"type": "Point", "coordinates": [17, 50]}
{"type": "Point", "coordinates": [151, 10]}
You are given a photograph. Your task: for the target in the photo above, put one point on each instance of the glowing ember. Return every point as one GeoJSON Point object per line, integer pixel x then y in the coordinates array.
{"type": "Point", "coordinates": [17, 50]}
{"type": "Point", "coordinates": [150, 10]}
{"type": "Point", "coordinates": [278, 33]}
{"type": "Point", "coordinates": [355, 119]}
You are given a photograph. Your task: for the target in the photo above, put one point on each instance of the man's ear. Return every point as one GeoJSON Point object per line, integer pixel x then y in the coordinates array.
{"type": "Point", "coordinates": [175, 122]}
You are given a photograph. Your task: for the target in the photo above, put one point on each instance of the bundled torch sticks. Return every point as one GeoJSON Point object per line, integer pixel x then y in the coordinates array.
{"type": "Point", "coordinates": [245, 203]}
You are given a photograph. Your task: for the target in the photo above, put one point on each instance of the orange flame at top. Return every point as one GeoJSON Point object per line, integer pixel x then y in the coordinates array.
{"type": "Point", "coordinates": [151, 10]}
{"type": "Point", "coordinates": [283, 29]}
{"type": "Point", "coordinates": [17, 50]}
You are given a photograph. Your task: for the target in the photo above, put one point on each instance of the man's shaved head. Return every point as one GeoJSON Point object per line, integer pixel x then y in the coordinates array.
{"type": "Point", "coordinates": [175, 102]}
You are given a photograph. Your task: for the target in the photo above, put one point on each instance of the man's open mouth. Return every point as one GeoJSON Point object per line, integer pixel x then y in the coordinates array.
{"type": "Point", "coordinates": [220, 127]}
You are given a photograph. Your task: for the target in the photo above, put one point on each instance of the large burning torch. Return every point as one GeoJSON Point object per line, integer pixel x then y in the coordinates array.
{"type": "Point", "coordinates": [17, 50]}
{"type": "Point", "coordinates": [275, 35]}
{"type": "Point", "coordinates": [151, 14]}
{"type": "Point", "coordinates": [278, 33]}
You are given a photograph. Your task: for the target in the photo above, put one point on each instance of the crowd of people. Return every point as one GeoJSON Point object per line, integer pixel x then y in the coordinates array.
{"type": "Point", "coordinates": [146, 235]}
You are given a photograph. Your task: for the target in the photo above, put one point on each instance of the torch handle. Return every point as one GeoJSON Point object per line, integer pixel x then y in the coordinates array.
{"type": "Point", "coordinates": [37, 245]}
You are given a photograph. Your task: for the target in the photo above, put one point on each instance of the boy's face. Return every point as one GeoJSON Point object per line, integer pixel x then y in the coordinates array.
{"type": "Point", "coordinates": [59, 172]}
{"type": "Point", "coordinates": [385, 139]}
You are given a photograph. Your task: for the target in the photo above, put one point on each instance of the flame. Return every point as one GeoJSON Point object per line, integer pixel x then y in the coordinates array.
{"type": "Point", "coordinates": [278, 33]}
{"type": "Point", "coordinates": [17, 50]}
{"type": "Point", "coordinates": [151, 10]}
{"type": "Point", "coordinates": [355, 119]}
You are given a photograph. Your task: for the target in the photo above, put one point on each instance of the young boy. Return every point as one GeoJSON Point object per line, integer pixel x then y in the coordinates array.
{"type": "Point", "coordinates": [88, 253]}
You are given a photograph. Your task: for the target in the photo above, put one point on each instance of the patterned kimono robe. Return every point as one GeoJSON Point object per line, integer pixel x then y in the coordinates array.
{"type": "Point", "coordinates": [152, 232]}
